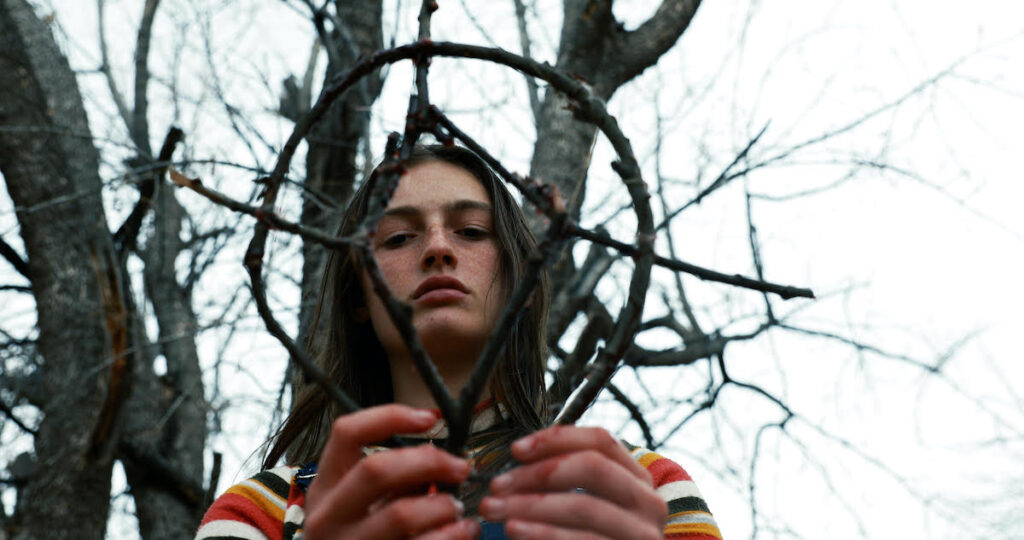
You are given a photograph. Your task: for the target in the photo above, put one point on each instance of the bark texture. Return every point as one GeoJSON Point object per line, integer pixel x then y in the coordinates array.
{"type": "Point", "coordinates": [595, 47]}
{"type": "Point", "coordinates": [166, 426]}
{"type": "Point", "coordinates": [331, 163]}
{"type": "Point", "coordinates": [50, 166]}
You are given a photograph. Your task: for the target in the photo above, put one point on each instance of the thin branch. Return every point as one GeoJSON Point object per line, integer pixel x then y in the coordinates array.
{"type": "Point", "coordinates": [694, 351]}
{"type": "Point", "coordinates": [525, 45]}
{"type": "Point", "coordinates": [850, 126]}
{"type": "Point", "coordinates": [427, 9]}
{"type": "Point", "coordinates": [755, 252]}
{"type": "Point", "coordinates": [634, 413]}
{"type": "Point", "coordinates": [115, 93]}
{"type": "Point", "coordinates": [576, 296]}
{"type": "Point", "coordinates": [140, 112]}
{"type": "Point", "coordinates": [677, 278]}
{"type": "Point", "coordinates": [599, 326]}
{"type": "Point", "coordinates": [784, 291]}
{"type": "Point", "coordinates": [723, 178]}
{"type": "Point", "coordinates": [14, 418]}
{"type": "Point", "coordinates": [211, 488]}
{"type": "Point", "coordinates": [127, 234]}
{"type": "Point", "coordinates": [299, 356]}
{"type": "Point", "coordinates": [12, 256]}
{"type": "Point", "coordinates": [862, 347]}
{"type": "Point", "coordinates": [273, 220]}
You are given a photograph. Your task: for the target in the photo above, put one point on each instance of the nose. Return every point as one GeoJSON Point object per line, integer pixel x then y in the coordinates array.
{"type": "Point", "coordinates": [437, 251]}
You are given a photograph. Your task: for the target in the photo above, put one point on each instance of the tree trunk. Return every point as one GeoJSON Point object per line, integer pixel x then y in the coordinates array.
{"type": "Point", "coordinates": [167, 419]}
{"type": "Point", "coordinates": [595, 47]}
{"type": "Point", "coordinates": [331, 171]}
{"type": "Point", "coordinates": [51, 171]}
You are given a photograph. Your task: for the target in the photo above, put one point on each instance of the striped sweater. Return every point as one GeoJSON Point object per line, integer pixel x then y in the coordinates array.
{"type": "Point", "coordinates": [269, 506]}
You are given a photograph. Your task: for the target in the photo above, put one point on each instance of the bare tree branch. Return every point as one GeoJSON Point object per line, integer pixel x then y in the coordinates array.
{"type": "Point", "coordinates": [723, 179]}
{"type": "Point", "coordinates": [641, 48]}
{"type": "Point", "coordinates": [140, 112]}
{"type": "Point", "coordinates": [784, 291]}
{"type": "Point", "coordinates": [635, 413]}
{"type": "Point", "coordinates": [525, 46]}
{"type": "Point", "coordinates": [4, 408]}
{"type": "Point", "coordinates": [108, 75]}
{"type": "Point", "coordinates": [127, 234]}
{"type": "Point", "coordinates": [14, 258]}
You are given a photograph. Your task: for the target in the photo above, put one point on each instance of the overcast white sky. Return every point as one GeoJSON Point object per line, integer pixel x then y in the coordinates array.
{"type": "Point", "coordinates": [912, 259]}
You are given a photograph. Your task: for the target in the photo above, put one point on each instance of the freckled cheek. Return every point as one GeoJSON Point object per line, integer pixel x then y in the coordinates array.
{"type": "Point", "coordinates": [396, 269]}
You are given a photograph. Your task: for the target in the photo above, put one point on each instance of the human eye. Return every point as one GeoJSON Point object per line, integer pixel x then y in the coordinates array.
{"type": "Point", "coordinates": [395, 240]}
{"type": "Point", "coordinates": [474, 232]}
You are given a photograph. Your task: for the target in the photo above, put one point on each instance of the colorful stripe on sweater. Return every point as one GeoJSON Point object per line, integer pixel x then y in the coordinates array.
{"type": "Point", "coordinates": [269, 506]}
{"type": "Point", "coordinates": [688, 515]}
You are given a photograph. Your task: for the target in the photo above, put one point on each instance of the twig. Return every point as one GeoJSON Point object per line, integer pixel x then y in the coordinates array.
{"type": "Point", "coordinates": [634, 413]}
{"type": "Point", "coordinates": [784, 291]}
{"type": "Point", "coordinates": [127, 234]}
{"type": "Point", "coordinates": [12, 256]}
{"type": "Point", "coordinates": [299, 356]}
{"type": "Point", "coordinates": [524, 45]}
{"type": "Point", "coordinates": [755, 252]}
{"type": "Point", "coordinates": [122, 106]}
{"type": "Point", "coordinates": [14, 418]}
{"type": "Point", "coordinates": [211, 488]}
{"type": "Point", "coordinates": [720, 181]}
{"type": "Point", "coordinates": [273, 220]}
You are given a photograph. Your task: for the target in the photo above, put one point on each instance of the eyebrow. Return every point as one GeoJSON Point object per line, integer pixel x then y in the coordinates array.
{"type": "Point", "coordinates": [454, 206]}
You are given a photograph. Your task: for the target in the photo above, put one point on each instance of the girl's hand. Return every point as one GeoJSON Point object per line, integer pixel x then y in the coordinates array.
{"type": "Point", "coordinates": [381, 495]}
{"type": "Point", "coordinates": [539, 499]}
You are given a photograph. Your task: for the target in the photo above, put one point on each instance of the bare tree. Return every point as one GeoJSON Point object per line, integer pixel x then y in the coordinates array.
{"type": "Point", "coordinates": [101, 399]}
{"type": "Point", "coordinates": [82, 388]}
{"type": "Point", "coordinates": [50, 168]}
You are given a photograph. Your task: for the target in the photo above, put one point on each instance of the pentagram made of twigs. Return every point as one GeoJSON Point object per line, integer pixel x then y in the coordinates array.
{"type": "Point", "coordinates": [423, 117]}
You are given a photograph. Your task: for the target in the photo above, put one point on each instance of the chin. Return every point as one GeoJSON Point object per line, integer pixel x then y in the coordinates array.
{"type": "Point", "coordinates": [442, 333]}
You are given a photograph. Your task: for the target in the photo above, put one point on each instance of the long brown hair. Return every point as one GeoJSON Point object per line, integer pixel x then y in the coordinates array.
{"type": "Point", "coordinates": [349, 351]}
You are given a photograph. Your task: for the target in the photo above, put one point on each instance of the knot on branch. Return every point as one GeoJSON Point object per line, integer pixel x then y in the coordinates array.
{"type": "Point", "coordinates": [644, 244]}
{"type": "Point", "coordinates": [266, 216]}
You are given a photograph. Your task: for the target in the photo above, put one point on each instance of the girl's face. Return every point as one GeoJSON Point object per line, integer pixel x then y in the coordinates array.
{"type": "Point", "coordinates": [436, 248]}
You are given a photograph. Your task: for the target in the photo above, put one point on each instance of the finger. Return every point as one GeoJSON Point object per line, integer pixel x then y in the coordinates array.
{"type": "Point", "coordinates": [590, 470]}
{"type": "Point", "coordinates": [527, 530]}
{"type": "Point", "coordinates": [386, 473]}
{"type": "Point", "coordinates": [557, 440]}
{"type": "Point", "coordinates": [464, 529]}
{"type": "Point", "coordinates": [409, 516]}
{"type": "Point", "coordinates": [351, 432]}
{"type": "Point", "coordinates": [572, 511]}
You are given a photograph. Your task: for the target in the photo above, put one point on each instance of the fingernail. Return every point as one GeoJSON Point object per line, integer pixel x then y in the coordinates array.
{"type": "Point", "coordinates": [459, 507]}
{"type": "Point", "coordinates": [473, 528]}
{"type": "Point", "coordinates": [461, 466]}
{"type": "Point", "coordinates": [501, 483]}
{"type": "Point", "coordinates": [424, 415]}
{"type": "Point", "coordinates": [493, 508]}
{"type": "Point", "coordinates": [524, 445]}
{"type": "Point", "coordinates": [518, 529]}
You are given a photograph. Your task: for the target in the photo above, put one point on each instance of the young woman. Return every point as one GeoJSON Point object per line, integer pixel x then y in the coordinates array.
{"type": "Point", "coordinates": [453, 245]}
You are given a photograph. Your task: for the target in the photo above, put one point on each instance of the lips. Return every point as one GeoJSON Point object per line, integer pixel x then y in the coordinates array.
{"type": "Point", "coordinates": [438, 283]}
